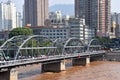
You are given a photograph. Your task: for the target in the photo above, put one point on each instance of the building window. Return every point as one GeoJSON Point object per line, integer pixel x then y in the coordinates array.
{"type": "Point", "coordinates": [61, 34]}
{"type": "Point", "coordinates": [47, 31]}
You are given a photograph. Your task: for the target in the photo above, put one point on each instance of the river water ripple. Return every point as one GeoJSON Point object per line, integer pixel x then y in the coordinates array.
{"type": "Point", "coordinates": [95, 71]}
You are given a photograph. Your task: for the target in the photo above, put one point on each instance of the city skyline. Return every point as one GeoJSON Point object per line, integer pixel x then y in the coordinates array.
{"type": "Point", "coordinates": [114, 4]}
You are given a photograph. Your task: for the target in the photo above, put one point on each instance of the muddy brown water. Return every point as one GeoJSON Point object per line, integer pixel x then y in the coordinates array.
{"type": "Point", "coordinates": [99, 70]}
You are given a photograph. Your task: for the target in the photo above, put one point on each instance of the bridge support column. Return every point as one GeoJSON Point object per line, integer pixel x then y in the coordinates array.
{"type": "Point", "coordinates": [81, 61]}
{"type": "Point", "coordinates": [53, 67]}
{"type": "Point", "coordinates": [9, 75]}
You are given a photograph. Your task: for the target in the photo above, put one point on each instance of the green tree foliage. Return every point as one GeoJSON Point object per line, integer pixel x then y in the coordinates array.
{"type": "Point", "coordinates": [1, 42]}
{"type": "Point", "coordinates": [104, 40]}
{"type": "Point", "coordinates": [20, 31]}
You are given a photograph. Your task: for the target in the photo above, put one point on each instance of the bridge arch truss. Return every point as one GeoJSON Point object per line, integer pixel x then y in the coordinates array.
{"type": "Point", "coordinates": [94, 45]}
{"type": "Point", "coordinates": [20, 47]}
{"type": "Point", "coordinates": [73, 46]}
{"type": "Point", "coordinates": [38, 46]}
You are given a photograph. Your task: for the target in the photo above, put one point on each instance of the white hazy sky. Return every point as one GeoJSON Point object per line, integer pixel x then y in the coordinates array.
{"type": "Point", "coordinates": [114, 3]}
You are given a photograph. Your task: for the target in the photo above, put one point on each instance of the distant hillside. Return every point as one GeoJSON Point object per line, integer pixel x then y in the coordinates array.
{"type": "Point", "coordinates": [64, 8]}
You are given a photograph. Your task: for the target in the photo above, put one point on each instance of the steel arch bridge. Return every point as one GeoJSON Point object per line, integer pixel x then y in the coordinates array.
{"type": "Point", "coordinates": [38, 46]}
{"type": "Point", "coordinates": [69, 46]}
{"type": "Point", "coordinates": [20, 47]}
{"type": "Point", "coordinates": [94, 45]}
{"type": "Point", "coordinates": [73, 46]}
{"type": "Point", "coordinates": [25, 47]}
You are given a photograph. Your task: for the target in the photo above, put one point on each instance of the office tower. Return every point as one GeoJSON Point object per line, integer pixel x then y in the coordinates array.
{"type": "Point", "coordinates": [7, 16]}
{"type": "Point", "coordinates": [96, 14]}
{"type": "Point", "coordinates": [36, 11]}
{"type": "Point", "coordinates": [18, 19]}
{"type": "Point", "coordinates": [115, 24]}
{"type": "Point", "coordinates": [79, 30]}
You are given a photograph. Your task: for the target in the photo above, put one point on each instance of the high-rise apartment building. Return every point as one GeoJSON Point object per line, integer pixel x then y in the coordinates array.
{"type": "Point", "coordinates": [115, 25]}
{"type": "Point", "coordinates": [18, 19]}
{"type": "Point", "coordinates": [7, 16]}
{"type": "Point", "coordinates": [96, 14]}
{"type": "Point", "coordinates": [36, 11]}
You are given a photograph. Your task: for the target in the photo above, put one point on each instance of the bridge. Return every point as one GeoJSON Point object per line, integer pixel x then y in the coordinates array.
{"type": "Point", "coordinates": [27, 50]}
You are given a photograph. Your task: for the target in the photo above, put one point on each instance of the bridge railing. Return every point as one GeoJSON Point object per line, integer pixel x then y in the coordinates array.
{"type": "Point", "coordinates": [14, 62]}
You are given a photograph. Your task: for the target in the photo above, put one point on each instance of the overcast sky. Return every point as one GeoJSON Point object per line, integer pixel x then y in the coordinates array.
{"type": "Point", "coordinates": [115, 3]}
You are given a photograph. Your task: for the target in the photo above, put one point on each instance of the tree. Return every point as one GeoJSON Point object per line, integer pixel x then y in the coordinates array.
{"type": "Point", "coordinates": [104, 40]}
{"type": "Point", "coordinates": [20, 31]}
{"type": "Point", "coordinates": [1, 42]}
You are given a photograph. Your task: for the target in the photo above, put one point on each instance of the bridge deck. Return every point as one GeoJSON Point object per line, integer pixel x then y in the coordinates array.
{"type": "Point", "coordinates": [47, 59]}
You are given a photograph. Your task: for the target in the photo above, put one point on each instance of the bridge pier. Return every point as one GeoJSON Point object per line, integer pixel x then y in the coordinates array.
{"type": "Point", "coordinates": [81, 61]}
{"type": "Point", "coordinates": [53, 66]}
{"type": "Point", "coordinates": [11, 74]}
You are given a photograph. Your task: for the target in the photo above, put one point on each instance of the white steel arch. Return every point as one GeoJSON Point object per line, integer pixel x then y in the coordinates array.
{"type": "Point", "coordinates": [33, 36]}
{"type": "Point", "coordinates": [70, 39]}
{"type": "Point", "coordinates": [90, 44]}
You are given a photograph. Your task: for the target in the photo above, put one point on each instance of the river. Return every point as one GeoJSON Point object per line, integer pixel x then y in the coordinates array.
{"type": "Point", "coordinates": [100, 70]}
